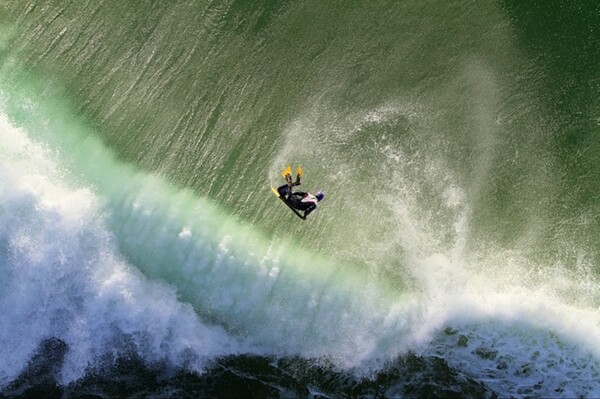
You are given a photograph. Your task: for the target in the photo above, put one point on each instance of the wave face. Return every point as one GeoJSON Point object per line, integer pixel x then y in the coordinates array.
{"type": "Point", "coordinates": [456, 252]}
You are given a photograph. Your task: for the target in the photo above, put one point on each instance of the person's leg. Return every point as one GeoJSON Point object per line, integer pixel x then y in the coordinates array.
{"type": "Point", "coordinates": [284, 190]}
{"type": "Point", "coordinates": [298, 175]}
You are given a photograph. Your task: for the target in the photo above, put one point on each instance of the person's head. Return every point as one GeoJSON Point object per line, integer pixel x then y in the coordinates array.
{"type": "Point", "coordinates": [320, 195]}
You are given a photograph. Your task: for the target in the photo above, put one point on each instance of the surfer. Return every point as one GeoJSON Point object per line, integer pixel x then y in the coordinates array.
{"type": "Point", "coordinates": [299, 200]}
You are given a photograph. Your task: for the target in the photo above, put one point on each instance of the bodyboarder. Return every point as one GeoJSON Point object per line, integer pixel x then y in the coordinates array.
{"type": "Point", "coordinates": [300, 200]}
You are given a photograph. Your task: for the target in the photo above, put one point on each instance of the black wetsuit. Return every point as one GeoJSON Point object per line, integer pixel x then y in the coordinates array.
{"type": "Point", "coordinates": [295, 199]}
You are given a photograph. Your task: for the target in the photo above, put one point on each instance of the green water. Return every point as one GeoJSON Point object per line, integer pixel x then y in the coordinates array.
{"type": "Point", "coordinates": [458, 144]}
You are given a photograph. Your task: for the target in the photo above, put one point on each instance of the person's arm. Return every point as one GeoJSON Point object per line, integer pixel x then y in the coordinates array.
{"type": "Point", "coordinates": [310, 209]}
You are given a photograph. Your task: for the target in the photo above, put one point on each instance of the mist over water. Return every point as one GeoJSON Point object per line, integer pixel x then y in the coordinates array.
{"type": "Point", "coordinates": [459, 156]}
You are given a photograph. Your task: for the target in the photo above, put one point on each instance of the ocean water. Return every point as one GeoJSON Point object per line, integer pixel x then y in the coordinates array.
{"type": "Point", "coordinates": [456, 254]}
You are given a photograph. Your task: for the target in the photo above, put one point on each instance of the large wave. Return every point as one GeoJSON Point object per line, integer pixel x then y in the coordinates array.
{"type": "Point", "coordinates": [139, 223]}
{"type": "Point", "coordinates": [110, 260]}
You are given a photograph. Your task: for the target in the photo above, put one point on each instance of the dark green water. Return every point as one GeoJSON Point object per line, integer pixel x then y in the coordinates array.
{"type": "Point", "coordinates": [456, 252]}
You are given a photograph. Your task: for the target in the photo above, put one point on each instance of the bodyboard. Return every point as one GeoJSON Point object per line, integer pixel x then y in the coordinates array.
{"type": "Point", "coordinates": [287, 203]}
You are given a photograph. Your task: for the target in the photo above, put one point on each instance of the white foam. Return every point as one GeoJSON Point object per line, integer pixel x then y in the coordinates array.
{"type": "Point", "coordinates": [519, 339]}
{"type": "Point", "coordinates": [63, 276]}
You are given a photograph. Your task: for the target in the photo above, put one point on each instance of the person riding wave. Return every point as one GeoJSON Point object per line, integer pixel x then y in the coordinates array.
{"type": "Point", "coordinates": [299, 200]}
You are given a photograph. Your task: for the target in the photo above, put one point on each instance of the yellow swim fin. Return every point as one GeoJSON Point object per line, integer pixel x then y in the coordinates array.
{"type": "Point", "coordinates": [287, 171]}
{"type": "Point", "coordinates": [299, 171]}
